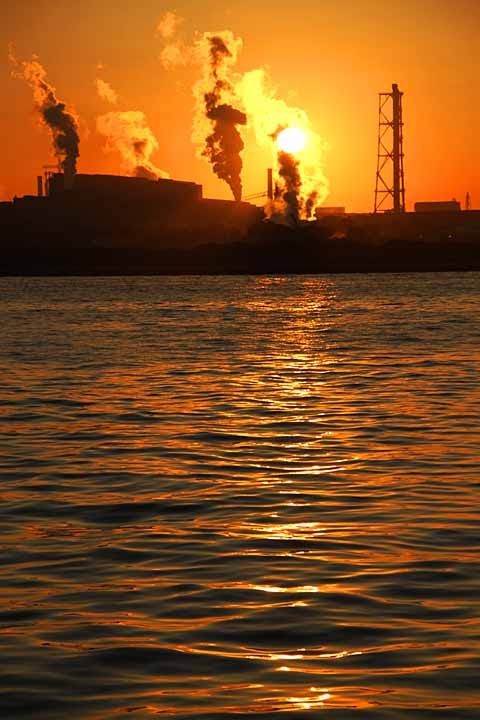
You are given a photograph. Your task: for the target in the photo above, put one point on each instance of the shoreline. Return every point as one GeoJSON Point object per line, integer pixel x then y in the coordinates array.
{"type": "Point", "coordinates": [240, 258]}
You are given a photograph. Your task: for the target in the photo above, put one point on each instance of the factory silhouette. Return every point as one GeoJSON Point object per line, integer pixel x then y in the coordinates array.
{"type": "Point", "coordinates": [105, 224]}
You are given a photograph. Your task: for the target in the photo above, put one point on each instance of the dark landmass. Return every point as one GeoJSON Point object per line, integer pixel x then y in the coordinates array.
{"type": "Point", "coordinates": [129, 226]}
{"type": "Point", "coordinates": [290, 252]}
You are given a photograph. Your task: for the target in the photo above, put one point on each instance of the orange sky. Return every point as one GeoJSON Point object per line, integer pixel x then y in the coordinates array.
{"type": "Point", "coordinates": [328, 58]}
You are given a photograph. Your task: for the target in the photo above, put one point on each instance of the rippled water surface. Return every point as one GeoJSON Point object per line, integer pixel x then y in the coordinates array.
{"type": "Point", "coordinates": [240, 497]}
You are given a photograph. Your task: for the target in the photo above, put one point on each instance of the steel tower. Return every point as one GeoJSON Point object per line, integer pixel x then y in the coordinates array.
{"type": "Point", "coordinates": [390, 176]}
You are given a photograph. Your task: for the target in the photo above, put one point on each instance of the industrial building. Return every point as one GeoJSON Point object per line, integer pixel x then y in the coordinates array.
{"type": "Point", "coordinates": [325, 210]}
{"type": "Point", "coordinates": [128, 224]}
{"type": "Point", "coordinates": [114, 210]}
{"type": "Point", "coordinates": [130, 189]}
{"type": "Point", "coordinates": [438, 206]}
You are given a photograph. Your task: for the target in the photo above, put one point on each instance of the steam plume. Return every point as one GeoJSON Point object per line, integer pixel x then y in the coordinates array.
{"type": "Point", "coordinates": [216, 118]}
{"type": "Point", "coordinates": [61, 122]}
{"type": "Point", "coordinates": [168, 24]}
{"type": "Point", "coordinates": [223, 102]}
{"type": "Point", "coordinates": [300, 180]}
{"type": "Point", "coordinates": [128, 133]}
{"type": "Point", "coordinates": [105, 91]}
{"type": "Point", "coordinates": [174, 52]}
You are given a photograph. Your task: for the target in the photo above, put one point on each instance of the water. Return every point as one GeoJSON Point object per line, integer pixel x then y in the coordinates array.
{"type": "Point", "coordinates": [240, 496]}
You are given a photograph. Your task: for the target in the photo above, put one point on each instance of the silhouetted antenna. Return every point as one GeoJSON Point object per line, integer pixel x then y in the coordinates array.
{"type": "Point", "coordinates": [390, 176]}
{"type": "Point", "coordinates": [468, 202]}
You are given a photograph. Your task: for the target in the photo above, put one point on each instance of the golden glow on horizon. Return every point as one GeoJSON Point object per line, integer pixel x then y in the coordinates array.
{"type": "Point", "coordinates": [292, 140]}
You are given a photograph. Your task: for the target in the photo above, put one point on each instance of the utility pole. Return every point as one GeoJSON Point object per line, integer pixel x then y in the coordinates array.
{"type": "Point", "coordinates": [390, 179]}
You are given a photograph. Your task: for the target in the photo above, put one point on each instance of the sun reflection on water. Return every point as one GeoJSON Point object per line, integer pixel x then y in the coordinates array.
{"type": "Point", "coordinates": [230, 496]}
{"type": "Point", "coordinates": [272, 589]}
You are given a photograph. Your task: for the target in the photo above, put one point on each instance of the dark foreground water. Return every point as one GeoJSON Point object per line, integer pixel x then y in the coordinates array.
{"type": "Point", "coordinates": [240, 497]}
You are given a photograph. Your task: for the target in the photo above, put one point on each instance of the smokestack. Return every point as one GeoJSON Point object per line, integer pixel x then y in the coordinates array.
{"type": "Point", "coordinates": [69, 172]}
{"type": "Point", "coordinates": [270, 183]}
{"type": "Point", "coordinates": [39, 186]}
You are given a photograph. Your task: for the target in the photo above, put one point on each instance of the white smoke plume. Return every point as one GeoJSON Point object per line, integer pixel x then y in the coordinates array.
{"type": "Point", "coordinates": [105, 91]}
{"type": "Point", "coordinates": [301, 185]}
{"type": "Point", "coordinates": [175, 52]}
{"type": "Point", "coordinates": [129, 134]}
{"type": "Point", "coordinates": [300, 182]}
{"type": "Point", "coordinates": [169, 24]}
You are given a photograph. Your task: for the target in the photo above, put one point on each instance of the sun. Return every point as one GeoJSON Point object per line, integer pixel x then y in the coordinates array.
{"type": "Point", "coordinates": [291, 140]}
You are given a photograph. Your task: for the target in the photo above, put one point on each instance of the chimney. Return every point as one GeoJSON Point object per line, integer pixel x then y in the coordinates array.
{"type": "Point", "coordinates": [68, 173]}
{"type": "Point", "coordinates": [39, 186]}
{"type": "Point", "coordinates": [270, 184]}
